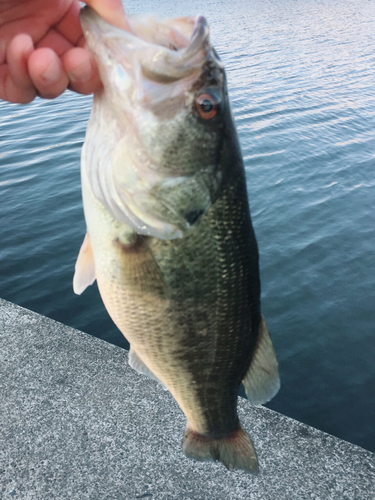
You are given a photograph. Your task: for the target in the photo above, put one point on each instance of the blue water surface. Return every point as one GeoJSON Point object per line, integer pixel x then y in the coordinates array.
{"type": "Point", "coordinates": [301, 78]}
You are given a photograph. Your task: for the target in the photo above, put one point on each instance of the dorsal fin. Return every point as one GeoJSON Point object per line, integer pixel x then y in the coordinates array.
{"type": "Point", "coordinates": [85, 268]}
{"type": "Point", "coordinates": [262, 380]}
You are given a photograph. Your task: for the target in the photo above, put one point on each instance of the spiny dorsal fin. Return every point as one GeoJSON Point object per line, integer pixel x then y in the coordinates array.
{"type": "Point", "coordinates": [262, 380]}
{"type": "Point", "coordinates": [138, 365]}
{"type": "Point", "coordinates": [85, 268]}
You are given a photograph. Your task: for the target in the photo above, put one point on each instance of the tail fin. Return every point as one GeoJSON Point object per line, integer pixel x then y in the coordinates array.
{"type": "Point", "coordinates": [234, 450]}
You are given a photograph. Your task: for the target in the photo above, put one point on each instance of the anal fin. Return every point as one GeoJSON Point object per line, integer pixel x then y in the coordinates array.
{"type": "Point", "coordinates": [84, 275]}
{"type": "Point", "coordinates": [262, 380]}
{"type": "Point", "coordinates": [138, 365]}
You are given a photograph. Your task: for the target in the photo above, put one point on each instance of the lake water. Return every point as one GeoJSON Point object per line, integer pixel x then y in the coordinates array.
{"type": "Point", "coordinates": [302, 84]}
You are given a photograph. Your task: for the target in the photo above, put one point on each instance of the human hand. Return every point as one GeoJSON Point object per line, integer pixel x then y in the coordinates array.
{"type": "Point", "coordinates": [42, 47]}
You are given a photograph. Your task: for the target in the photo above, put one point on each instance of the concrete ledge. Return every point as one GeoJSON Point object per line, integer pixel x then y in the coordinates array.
{"type": "Point", "coordinates": [78, 423]}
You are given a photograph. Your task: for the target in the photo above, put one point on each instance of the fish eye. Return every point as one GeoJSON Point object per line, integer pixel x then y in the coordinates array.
{"type": "Point", "coordinates": [207, 106]}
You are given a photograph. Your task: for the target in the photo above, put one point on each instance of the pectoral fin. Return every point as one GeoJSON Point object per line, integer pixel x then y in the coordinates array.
{"type": "Point", "coordinates": [138, 365]}
{"type": "Point", "coordinates": [262, 380]}
{"type": "Point", "coordinates": [85, 269]}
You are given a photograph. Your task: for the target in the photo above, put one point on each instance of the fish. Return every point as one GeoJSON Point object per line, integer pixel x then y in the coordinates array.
{"type": "Point", "coordinates": [169, 237]}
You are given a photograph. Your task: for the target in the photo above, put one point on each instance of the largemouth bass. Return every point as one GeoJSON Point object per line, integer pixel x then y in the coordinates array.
{"type": "Point", "coordinates": [169, 234]}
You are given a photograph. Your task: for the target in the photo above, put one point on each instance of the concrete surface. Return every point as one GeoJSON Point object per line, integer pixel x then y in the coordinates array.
{"type": "Point", "coordinates": [77, 423]}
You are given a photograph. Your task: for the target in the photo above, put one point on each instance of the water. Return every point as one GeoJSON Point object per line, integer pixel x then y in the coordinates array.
{"type": "Point", "coordinates": [302, 84]}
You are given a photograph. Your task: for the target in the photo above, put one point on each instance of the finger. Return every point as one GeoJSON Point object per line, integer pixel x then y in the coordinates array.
{"type": "Point", "coordinates": [55, 41]}
{"type": "Point", "coordinates": [82, 70]}
{"type": "Point", "coordinates": [111, 11]}
{"type": "Point", "coordinates": [69, 26]}
{"type": "Point", "coordinates": [10, 92]}
{"type": "Point", "coordinates": [18, 52]}
{"type": "Point", "coordinates": [47, 73]}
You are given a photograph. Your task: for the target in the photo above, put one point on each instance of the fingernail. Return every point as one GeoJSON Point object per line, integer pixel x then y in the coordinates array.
{"type": "Point", "coordinates": [52, 73]}
{"type": "Point", "coordinates": [82, 73]}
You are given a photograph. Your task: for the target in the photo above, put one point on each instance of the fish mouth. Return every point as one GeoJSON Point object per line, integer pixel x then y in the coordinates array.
{"type": "Point", "coordinates": [166, 50]}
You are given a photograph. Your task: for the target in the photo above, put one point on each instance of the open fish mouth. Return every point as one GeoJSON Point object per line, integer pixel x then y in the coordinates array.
{"type": "Point", "coordinates": [165, 50]}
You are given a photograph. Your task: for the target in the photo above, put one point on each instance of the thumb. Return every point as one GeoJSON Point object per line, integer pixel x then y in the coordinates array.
{"type": "Point", "coordinates": [111, 11]}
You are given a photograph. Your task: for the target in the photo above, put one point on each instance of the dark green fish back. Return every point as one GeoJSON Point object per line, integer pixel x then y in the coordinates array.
{"type": "Point", "coordinates": [213, 284]}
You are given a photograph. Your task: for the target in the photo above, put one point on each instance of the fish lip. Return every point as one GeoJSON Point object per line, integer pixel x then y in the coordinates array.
{"type": "Point", "coordinates": [89, 18]}
{"type": "Point", "coordinates": [199, 37]}
{"type": "Point", "coordinates": [92, 23]}
{"type": "Point", "coordinates": [200, 30]}
{"type": "Point", "coordinates": [137, 59]}
{"type": "Point", "coordinates": [97, 29]}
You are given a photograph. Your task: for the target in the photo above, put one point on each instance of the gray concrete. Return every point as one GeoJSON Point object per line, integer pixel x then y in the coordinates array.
{"type": "Point", "coordinates": [78, 423]}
